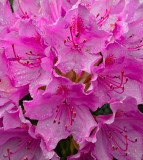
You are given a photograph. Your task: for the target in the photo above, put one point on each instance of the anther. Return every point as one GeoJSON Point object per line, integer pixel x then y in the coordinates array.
{"type": "Point", "coordinates": [136, 139]}
{"type": "Point", "coordinates": [97, 15]}
{"type": "Point", "coordinates": [113, 147]}
{"type": "Point", "coordinates": [76, 45]}
{"type": "Point", "coordinates": [74, 114]}
{"type": "Point", "coordinates": [54, 121]}
{"type": "Point", "coordinates": [77, 34]}
{"type": "Point", "coordinates": [84, 40]}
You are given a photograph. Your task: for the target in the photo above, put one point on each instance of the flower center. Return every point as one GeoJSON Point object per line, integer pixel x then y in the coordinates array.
{"type": "Point", "coordinates": [110, 60]}
{"type": "Point", "coordinates": [76, 28]}
{"type": "Point", "coordinates": [67, 111]}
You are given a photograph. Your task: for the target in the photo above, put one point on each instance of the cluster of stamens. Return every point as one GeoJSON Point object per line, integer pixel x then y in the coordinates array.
{"type": "Point", "coordinates": [25, 14]}
{"type": "Point", "coordinates": [137, 47]}
{"type": "Point", "coordinates": [30, 147]}
{"type": "Point", "coordinates": [31, 60]}
{"type": "Point", "coordinates": [118, 139]}
{"type": "Point", "coordinates": [71, 41]}
{"type": "Point", "coordinates": [102, 19]}
{"type": "Point", "coordinates": [114, 83]}
{"type": "Point", "coordinates": [69, 114]}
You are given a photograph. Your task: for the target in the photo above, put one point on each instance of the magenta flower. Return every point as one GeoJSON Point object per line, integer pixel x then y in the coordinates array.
{"type": "Point", "coordinates": [18, 140]}
{"type": "Point", "coordinates": [115, 77]}
{"type": "Point", "coordinates": [71, 37]}
{"type": "Point", "coordinates": [64, 109]}
{"type": "Point", "coordinates": [71, 57]}
{"type": "Point", "coordinates": [120, 134]}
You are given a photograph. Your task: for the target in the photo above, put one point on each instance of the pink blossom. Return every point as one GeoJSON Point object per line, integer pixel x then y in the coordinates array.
{"type": "Point", "coordinates": [115, 77]}
{"type": "Point", "coordinates": [120, 135]}
{"type": "Point", "coordinates": [65, 111]}
{"type": "Point", "coordinates": [71, 37]}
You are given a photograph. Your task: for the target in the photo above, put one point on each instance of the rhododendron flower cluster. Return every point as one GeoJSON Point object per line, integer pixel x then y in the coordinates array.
{"type": "Point", "coordinates": [71, 76]}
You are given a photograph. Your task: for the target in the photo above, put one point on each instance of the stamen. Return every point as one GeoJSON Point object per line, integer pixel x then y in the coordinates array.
{"type": "Point", "coordinates": [34, 60]}
{"type": "Point", "coordinates": [25, 15]}
{"type": "Point", "coordinates": [76, 29]}
{"type": "Point", "coordinates": [117, 139]}
{"type": "Point", "coordinates": [103, 18]}
{"type": "Point", "coordinates": [113, 83]}
{"type": "Point", "coordinates": [30, 146]}
{"type": "Point", "coordinates": [68, 111]}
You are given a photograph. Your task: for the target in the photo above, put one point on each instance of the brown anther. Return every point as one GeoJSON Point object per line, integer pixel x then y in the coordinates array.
{"type": "Point", "coordinates": [54, 121]}
{"type": "Point", "coordinates": [59, 122]}
{"type": "Point", "coordinates": [125, 130]}
{"type": "Point", "coordinates": [131, 35]}
{"type": "Point", "coordinates": [97, 15]}
{"type": "Point", "coordinates": [111, 86]}
{"type": "Point", "coordinates": [84, 40]}
{"type": "Point", "coordinates": [57, 106]}
{"type": "Point", "coordinates": [76, 45]}
{"type": "Point", "coordinates": [113, 147]}
{"type": "Point", "coordinates": [74, 114]}
{"type": "Point", "coordinates": [65, 40]}
{"type": "Point", "coordinates": [30, 52]}
{"type": "Point", "coordinates": [28, 61]}
{"type": "Point", "coordinates": [77, 34]}
{"type": "Point", "coordinates": [126, 153]}
{"type": "Point", "coordinates": [127, 79]}
{"type": "Point", "coordinates": [136, 139]}
{"type": "Point", "coordinates": [66, 126]}
{"type": "Point", "coordinates": [56, 110]}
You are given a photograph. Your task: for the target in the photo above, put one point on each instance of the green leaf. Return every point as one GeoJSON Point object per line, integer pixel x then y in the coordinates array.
{"type": "Point", "coordinates": [11, 5]}
{"type": "Point", "coordinates": [104, 110]}
{"type": "Point", "coordinates": [66, 147]}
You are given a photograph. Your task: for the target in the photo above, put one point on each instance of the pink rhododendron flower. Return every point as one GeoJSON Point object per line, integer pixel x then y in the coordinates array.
{"type": "Point", "coordinates": [120, 134]}
{"type": "Point", "coordinates": [118, 73]}
{"type": "Point", "coordinates": [64, 106]}
{"type": "Point", "coordinates": [71, 71]}
{"type": "Point", "coordinates": [75, 48]}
